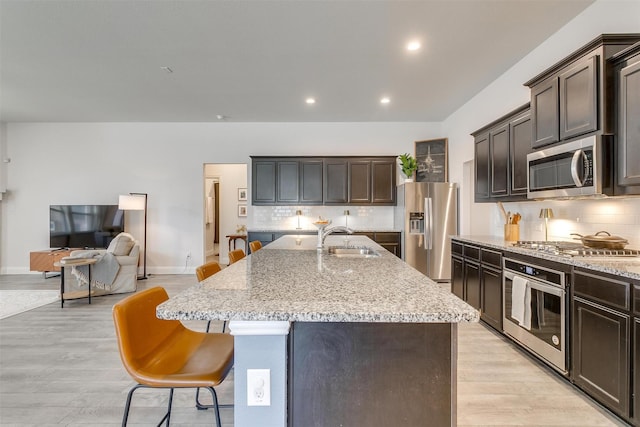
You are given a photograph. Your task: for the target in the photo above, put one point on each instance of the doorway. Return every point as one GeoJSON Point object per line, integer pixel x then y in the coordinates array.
{"type": "Point", "coordinates": [225, 208]}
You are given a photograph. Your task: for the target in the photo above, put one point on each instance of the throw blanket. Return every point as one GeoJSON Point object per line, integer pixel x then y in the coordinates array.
{"type": "Point", "coordinates": [103, 272]}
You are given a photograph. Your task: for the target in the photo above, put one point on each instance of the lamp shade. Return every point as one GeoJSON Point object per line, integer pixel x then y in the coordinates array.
{"type": "Point", "coordinates": [131, 202]}
{"type": "Point", "coordinates": [546, 213]}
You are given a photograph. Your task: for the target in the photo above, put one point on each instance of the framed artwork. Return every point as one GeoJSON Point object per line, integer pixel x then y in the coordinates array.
{"type": "Point", "coordinates": [242, 194]}
{"type": "Point", "coordinates": [242, 210]}
{"type": "Point", "coordinates": [432, 160]}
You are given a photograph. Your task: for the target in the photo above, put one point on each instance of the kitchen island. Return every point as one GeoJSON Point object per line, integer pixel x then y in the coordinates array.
{"type": "Point", "coordinates": [351, 341]}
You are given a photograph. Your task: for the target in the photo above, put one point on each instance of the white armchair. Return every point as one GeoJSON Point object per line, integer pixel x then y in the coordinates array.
{"type": "Point", "coordinates": [126, 252]}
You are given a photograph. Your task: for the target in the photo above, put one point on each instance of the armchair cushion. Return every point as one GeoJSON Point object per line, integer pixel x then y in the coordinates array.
{"type": "Point", "coordinates": [121, 244]}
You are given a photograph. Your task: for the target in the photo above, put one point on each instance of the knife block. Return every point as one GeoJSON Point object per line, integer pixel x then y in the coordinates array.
{"type": "Point", "coordinates": [511, 232]}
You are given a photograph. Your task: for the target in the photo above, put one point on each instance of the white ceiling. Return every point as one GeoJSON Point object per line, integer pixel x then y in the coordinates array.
{"type": "Point", "coordinates": [257, 61]}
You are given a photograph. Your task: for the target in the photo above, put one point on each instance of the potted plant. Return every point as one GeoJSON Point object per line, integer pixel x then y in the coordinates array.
{"type": "Point", "coordinates": [408, 164]}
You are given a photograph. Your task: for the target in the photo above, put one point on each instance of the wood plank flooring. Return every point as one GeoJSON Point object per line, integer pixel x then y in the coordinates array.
{"type": "Point", "coordinates": [61, 367]}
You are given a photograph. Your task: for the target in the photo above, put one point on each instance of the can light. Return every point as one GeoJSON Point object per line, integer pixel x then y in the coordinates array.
{"type": "Point", "coordinates": [385, 100]}
{"type": "Point", "coordinates": [413, 46]}
{"type": "Point", "coordinates": [310, 100]}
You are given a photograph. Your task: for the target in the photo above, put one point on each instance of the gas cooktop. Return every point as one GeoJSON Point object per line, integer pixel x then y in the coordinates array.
{"type": "Point", "coordinates": [572, 249]}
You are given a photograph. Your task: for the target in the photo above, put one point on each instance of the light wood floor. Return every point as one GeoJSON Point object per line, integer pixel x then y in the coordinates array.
{"type": "Point", "coordinates": [61, 367]}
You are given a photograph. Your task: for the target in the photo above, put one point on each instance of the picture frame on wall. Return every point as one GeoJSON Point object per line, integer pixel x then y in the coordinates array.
{"type": "Point", "coordinates": [242, 210]}
{"type": "Point", "coordinates": [242, 194]}
{"type": "Point", "coordinates": [432, 159]}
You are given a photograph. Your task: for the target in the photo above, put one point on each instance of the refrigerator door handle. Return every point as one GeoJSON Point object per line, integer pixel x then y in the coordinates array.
{"type": "Point", "coordinates": [428, 223]}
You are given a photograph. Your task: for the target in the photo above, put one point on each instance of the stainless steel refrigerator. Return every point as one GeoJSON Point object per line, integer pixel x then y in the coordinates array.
{"type": "Point", "coordinates": [427, 215]}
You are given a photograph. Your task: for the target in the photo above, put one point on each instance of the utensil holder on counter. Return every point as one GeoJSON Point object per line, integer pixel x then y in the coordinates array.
{"type": "Point", "coordinates": [511, 232]}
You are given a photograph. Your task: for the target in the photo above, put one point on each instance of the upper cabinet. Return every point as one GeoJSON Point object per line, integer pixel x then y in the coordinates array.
{"type": "Point", "coordinates": [330, 180]}
{"type": "Point", "coordinates": [627, 88]}
{"type": "Point", "coordinates": [501, 150]}
{"type": "Point", "coordinates": [574, 97]}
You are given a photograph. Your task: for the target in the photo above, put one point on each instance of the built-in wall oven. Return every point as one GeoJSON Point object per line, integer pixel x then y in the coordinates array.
{"type": "Point", "coordinates": [534, 306]}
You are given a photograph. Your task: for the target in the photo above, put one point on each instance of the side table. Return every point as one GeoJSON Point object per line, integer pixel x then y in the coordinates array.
{"type": "Point", "coordinates": [234, 237]}
{"type": "Point", "coordinates": [75, 294]}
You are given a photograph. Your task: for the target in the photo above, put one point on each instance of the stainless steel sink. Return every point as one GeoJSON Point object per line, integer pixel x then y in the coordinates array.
{"type": "Point", "coordinates": [352, 251]}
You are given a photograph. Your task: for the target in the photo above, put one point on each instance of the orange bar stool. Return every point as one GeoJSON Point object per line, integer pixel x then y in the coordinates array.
{"type": "Point", "coordinates": [236, 255]}
{"type": "Point", "coordinates": [255, 246]}
{"type": "Point", "coordinates": [207, 270]}
{"type": "Point", "coordinates": [164, 354]}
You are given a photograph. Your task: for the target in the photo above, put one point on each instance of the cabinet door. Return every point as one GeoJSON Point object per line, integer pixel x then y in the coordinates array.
{"type": "Point", "coordinates": [390, 241]}
{"type": "Point", "coordinates": [499, 155]}
{"type": "Point", "coordinates": [383, 185]}
{"type": "Point", "coordinates": [601, 354]}
{"type": "Point", "coordinates": [360, 181]}
{"type": "Point", "coordinates": [472, 284]}
{"type": "Point", "coordinates": [482, 168]}
{"type": "Point", "coordinates": [263, 178]}
{"type": "Point", "coordinates": [628, 143]}
{"type": "Point", "coordinates": [336, 175]}
{"type": "Point", "coordinates": [579, 99]}
{"type": "Point", "coordinates": [287, 182]}
{"type": "Point", "coordinates": [636, 369]}
{"type": "Point", "coordinates": [520, 146]}
{"type": "Point", "coordinates": [311, 182]}
{"type": "Point", "coordinates": [544, 113]}
{"type": "Point", "coordinates": [457, 277]}
{"type": "Point", "coordinates": [491, 297]}
{"type": "Point", "coordinates": [263, 237]}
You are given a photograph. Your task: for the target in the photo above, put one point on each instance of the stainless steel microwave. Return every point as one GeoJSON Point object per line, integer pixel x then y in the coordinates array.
{"type": "Point", "coordinates": [576, 168]}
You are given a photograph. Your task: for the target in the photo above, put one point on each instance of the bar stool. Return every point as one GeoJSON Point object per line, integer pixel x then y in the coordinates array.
{"type": "Point", "coordinates": [164, 354]}
{"type": "Point", "coordinates": [236, 255]}
{"type": "Point", "coordinates": [255, 245]}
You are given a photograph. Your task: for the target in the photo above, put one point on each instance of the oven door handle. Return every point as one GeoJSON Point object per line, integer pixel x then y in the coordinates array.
{"type": "Point", "coordinates": [535, 285]}
{"type": "Point", "coordinates": [575, 162]}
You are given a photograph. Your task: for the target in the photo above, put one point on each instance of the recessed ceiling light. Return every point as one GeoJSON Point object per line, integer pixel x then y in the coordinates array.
{"type": "Point", "coordinates": [385, 100]}
{"type": "Point", "coordinates": [310, 100]}
{"type": "Point", "coordinates": [167, 69]}
{"type": "Point", "coordinates": [221, 117]}
{"type": "Point", "coordinates": [413, 45]}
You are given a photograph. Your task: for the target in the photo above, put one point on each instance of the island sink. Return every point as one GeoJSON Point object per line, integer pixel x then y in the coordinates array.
{"type": "Point", "coordinates": [352, 251]}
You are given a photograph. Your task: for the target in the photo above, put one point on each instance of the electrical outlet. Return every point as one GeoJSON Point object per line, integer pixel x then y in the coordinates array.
{"type": "Point", "coordinates": [258, 387]}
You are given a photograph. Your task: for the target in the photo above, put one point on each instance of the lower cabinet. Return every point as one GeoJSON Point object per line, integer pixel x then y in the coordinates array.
{"type": "Point", "coordinates": [477, 279]}
{"type": "Point", "coordinates": [491, 280]}
{"type": "Point", "coordinates": [601, 340]}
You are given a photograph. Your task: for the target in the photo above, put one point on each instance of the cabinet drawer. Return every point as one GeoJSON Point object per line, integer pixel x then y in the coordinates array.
{"type": "Point", "coordinates": [456, 248]}
{"type": "Point", "coordinates": [492, 258]}
{"type": "Point", "coordinates": [471, 252]}
{"type": "Point", "coordinates": [387, 237]}
{"type": "Point", "coordinates": [602, 289]}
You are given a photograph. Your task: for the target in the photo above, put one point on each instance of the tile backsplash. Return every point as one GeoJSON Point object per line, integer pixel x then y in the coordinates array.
{"type": "Point", "coordinates": [285, 218]}
{"type": "Point", "coordinates": [620, 217]}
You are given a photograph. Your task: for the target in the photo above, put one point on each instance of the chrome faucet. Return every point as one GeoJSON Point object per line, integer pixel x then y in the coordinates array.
{"type": "Point", "coordinates": [323, 233]}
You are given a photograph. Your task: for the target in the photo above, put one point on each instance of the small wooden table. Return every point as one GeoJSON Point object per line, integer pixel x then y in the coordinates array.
{"type": "Point", "coordinates": [234, 237]}
{"type": "Point", "coordinates": [75, 294]}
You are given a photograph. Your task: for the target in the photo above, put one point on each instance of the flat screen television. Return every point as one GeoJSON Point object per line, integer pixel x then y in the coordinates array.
{"type": "Point", "coordinates": [84, 226]}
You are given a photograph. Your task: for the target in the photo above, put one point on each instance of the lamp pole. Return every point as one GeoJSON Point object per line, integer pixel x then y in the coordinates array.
{"type": "Point", "coordinates": [144, 262]}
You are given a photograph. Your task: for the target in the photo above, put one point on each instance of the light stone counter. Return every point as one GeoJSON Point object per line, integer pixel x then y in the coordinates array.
{"type": "Point", "coordinates": [625, 267]}
{"type": "Point", "coordinates": [289, 281]}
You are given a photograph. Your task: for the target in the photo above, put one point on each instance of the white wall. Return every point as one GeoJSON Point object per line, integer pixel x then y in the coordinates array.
{"type": "Point", "coordinates": [507, 92]}
{"type": "Point", "coordinates": [66, 163]}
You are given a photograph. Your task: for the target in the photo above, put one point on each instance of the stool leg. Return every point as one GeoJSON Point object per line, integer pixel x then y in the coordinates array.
{"type": "Point", "coordinates": [215, 405]}
{"type": "Point", "coordinates": [128, 405]}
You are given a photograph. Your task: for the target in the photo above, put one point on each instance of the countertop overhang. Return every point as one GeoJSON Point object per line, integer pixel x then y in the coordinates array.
{"type": "Point", "coordinates": [288, 280]}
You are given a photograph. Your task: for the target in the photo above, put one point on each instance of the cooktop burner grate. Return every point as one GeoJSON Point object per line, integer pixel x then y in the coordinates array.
{"type": "Point", "coordinates": [574, 249]}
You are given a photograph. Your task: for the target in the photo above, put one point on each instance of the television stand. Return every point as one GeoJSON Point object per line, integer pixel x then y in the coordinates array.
{"type": "Point", "coordinates": [44, 260]}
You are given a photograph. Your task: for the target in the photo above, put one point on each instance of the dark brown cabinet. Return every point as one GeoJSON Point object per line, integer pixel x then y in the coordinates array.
{"type": "Point", "coordinates": [601, 341]}
{"type": "Point", "coordinates": [476, 277]}
{"type": "Point", "coordinates": [501, 150]}
{"type": "Point", "coordinates": [482, 165]}
{"type": "Point", "coordinates": [360, 181]}
{"type": "Point", "coordinates": [573, 97]}
{"type": "Point", "coordinates": [627, 80]}
{"type": "Point", "coordinates": [326, 180]}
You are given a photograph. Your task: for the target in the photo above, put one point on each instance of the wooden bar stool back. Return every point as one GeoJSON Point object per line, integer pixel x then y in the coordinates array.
{"type": "Point", "coordinates": [164, 354]}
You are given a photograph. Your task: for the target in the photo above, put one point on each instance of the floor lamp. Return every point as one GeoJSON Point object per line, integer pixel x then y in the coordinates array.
{"type": "Point", "coordinates": [137, 202]}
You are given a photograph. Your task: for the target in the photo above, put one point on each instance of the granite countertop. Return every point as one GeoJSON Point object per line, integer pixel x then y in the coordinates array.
{"type": "Point", "coordinates": [289, 281]}
{"type": "Point", "coordinates": [315, 230]}
{"type": "Point", "coordinates": [625, 267]}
